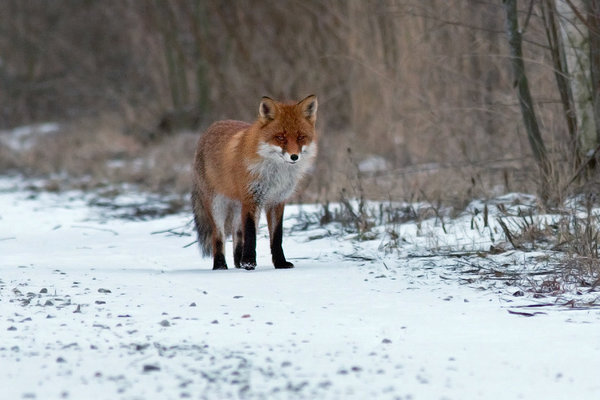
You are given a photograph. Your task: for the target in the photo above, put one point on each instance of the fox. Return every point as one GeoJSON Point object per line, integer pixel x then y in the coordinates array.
{"type": "Point", "coordinates": [241, 169]}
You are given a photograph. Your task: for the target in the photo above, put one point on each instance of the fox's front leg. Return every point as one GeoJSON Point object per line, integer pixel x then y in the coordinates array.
{"type": "Point", "coordinates": [275, 222]}
{"type": "Point", "coordinates": [237, 232]}
{"type": "Point", "coordinates": [249, 213]}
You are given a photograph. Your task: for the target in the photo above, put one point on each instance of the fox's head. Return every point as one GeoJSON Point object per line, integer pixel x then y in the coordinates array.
{"type": "Point", "coordinates": [288, 130]}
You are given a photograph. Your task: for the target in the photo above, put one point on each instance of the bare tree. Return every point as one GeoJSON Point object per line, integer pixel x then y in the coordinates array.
{"type": "Point", "coordinates": [555, 39]}
{"type": "Point", "coordinates": [525, 101]}
{"type": "Point", "coordinates": [576, 35]}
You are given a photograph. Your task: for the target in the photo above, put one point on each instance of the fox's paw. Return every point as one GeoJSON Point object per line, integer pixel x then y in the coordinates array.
{"type": "Point", "coordinates": [249, 266]}
{"type": "Point", "coordinates": [285, 264]}
{"type": "Point", "coordinates": [219, 262]}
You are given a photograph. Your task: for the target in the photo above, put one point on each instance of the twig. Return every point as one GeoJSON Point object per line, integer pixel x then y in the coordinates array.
{"type": "Point", "coordinates": [172, 231]}
{"type": "Point", "coordinates": [535, 305]}
{"type": "Point", "coordinates": [580, 16]}
{"type": "Point", "coordinates": [449, 254]}
{"type": "Point", "coordinates": [594, 285]}
{"type": "Point", "coordinates": [526, 314]}
{"type": "Point", "coordinates": [358, 257]}
{"type": "Point", "coordinates": [529, 12]}
{"type": "Point", "coordinates": [507, 233]}
{"type": "Point", "coordinates": [96, 229]}
{"type": "Point", "coordinates": [189, 244]}
{"type": "Point", "coordinates": [582, 168]}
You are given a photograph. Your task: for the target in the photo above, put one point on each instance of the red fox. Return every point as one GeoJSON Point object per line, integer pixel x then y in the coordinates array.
{"type": "Point", "coordinates": [242, 168]}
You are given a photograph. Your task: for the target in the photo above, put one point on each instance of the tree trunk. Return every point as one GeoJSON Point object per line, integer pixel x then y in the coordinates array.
{"type": "Point", "coordinates": [593, 23]}
{"type": "Point", "coordinates": [576, 38]}
{"type": "Point", "coordinates": [525, 100]}
{"type": "Point", "coordinates": [561, 73]}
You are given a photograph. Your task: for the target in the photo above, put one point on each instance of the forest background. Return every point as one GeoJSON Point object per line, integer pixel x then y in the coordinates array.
{"type": "Point", "coordinates": [417, 99]}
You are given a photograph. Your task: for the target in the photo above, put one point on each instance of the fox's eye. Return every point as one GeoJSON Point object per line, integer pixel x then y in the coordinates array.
{"type": "Point", "coordinates": [280, 138]}
{"type": "Point", "coordinates": [301, 138]}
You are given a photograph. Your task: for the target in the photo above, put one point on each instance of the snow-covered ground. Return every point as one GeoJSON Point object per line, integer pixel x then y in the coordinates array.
{"type": "Point", "coordinates": [97, 307]}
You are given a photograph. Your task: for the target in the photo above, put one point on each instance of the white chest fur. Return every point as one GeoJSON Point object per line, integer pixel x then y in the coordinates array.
{"type": "Point", "coordinates": [275, 177]}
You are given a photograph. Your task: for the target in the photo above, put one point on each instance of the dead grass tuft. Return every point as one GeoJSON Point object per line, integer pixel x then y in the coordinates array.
{"type": "Point", "coordinates": [100, 152]}
{"type": "Point", "coordinates": [572, 237]}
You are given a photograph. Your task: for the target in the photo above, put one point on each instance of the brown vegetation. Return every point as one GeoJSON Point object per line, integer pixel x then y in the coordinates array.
{"type": "Point", "coordinates": [425, 85]}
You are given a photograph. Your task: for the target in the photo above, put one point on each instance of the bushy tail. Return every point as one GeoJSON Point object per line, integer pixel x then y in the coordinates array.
{"type": "Point", "coordinates": [203, 225]}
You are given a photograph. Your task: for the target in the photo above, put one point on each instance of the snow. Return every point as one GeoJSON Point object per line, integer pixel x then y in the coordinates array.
{"type": "Point", "coordinates": [373, 163]}
{"type": "Point", "coordinates": [25, 137]}
{"type": "Point", "coordinates": [98, 307]}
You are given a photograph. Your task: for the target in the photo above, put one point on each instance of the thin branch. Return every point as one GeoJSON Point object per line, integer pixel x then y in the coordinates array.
{"type": "Point", "coordinates": [529, 11]}
{"type": "Point", "coordinates": [582, 168]}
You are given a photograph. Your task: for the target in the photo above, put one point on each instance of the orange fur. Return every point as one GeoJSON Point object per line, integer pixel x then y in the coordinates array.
{"type": "Point", "coordinates": [241, 168]}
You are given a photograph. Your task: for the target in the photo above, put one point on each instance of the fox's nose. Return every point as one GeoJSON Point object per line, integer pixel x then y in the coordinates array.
{"type": "Point", "coordinates": [294, 157]}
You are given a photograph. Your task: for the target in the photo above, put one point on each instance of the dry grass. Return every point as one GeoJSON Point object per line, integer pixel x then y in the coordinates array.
{"type": "Point", "coordinates": [424, 85]}
{"type": "Point", "coordinates": [96, 152]}
{"type": "Point", "coordinates": [571, 238]}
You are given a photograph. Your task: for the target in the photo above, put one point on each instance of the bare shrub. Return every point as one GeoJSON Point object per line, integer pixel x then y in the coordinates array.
{"type": "Point", "coordinates": [417, 83]}
{"type": "Point", "coordinates": [169, 164]}
{"type": "Point", "coordinates": [573, 236]}
{"type": "Point", "coordinates": [81, 149]}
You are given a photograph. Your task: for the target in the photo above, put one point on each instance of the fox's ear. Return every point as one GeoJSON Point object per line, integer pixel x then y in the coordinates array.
{"type": "Point", "coordinates": [267, 108]}
{"type": "Point", "coordinates": [309, 107]}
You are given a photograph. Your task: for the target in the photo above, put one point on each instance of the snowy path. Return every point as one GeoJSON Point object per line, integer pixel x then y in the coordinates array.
{"type": "Point", "coordinates": [95, 308]}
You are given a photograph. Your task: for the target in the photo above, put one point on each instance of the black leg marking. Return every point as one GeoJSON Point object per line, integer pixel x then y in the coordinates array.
{"type": "Point", "coordinates": [238, 250]}
{"type": "Point", "coordinates": [219, 258]}
{"type": "Point", "coordinates": [249, 249]}
{"type": "Point", "coordinates": [279, 260]}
